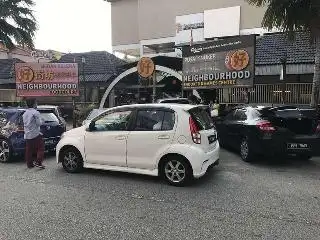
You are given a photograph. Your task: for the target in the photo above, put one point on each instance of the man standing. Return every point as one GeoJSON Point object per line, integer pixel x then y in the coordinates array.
{"type": "Point", "coordinates": [32, 135]}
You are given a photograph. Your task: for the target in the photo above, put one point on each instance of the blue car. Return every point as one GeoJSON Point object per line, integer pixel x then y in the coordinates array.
{"type": "Point", "coordinates": [12, 141]}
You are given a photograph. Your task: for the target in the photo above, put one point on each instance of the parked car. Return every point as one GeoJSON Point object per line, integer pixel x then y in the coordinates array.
{"type": "Point", "coordinates": [177, 142]}
{"type": "Point", "coordinates": [56, 110]}
{"type": "Point", "coordinates": [265, 130]}
{"type": "Point", "coordinates": [93, 114]}
{"type": "Point", "coordinates": [12, 134]}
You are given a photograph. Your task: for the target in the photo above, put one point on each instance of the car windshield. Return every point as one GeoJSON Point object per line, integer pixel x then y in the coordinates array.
{"type": "Point", "coordinates": [47, 117]}
{"type": "Point", "coordinates": [94, 113]}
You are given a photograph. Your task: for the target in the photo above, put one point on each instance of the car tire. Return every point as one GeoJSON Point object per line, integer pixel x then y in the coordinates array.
{"type": "Point", "coordinates": [177, 171]}
{"type": "Point", "coordinates": [245, 150]}
{"type": "Point", "coordinates": [5, 151]}
{"type": "Point", "coordinates": [71, 159]}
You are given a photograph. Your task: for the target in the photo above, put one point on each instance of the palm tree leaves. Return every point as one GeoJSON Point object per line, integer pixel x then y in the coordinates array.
{"type": "Point", "coordinates": [289, 15]}
{"type": "Point", "coordinates": [17, 23]}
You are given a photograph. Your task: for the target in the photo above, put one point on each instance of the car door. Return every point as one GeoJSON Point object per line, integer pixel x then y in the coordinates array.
{"type": "Point", "coordinates": [152, 133]}
{"type": "Point", "coordinates": [223, 127]}
{"type": "Point", "coordinates": [106, 139]}
{"type": "Point", "coordinates": [237, 127]}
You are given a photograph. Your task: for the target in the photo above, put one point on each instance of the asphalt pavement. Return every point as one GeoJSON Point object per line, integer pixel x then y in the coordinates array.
{"type": "Point", "coordinates": [236, 200]}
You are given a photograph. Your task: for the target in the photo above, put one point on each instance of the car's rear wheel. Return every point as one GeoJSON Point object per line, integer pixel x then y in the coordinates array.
{"type": "Point", "coordinates": [176, 171]}
{"type": "Point", "coordinates": [246, 151]}
{"type": "Point", "coordinates": [5, 151]}
{"type": "Point", "coordinates": [71, 160]}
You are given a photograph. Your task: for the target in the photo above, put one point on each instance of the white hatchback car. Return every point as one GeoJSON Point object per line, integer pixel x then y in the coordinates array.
{"type": "Point", "coordinates": [177, 142]}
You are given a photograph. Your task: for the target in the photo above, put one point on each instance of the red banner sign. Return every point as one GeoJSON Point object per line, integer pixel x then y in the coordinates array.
{"type": "Point", "coordinates": [47, 79]}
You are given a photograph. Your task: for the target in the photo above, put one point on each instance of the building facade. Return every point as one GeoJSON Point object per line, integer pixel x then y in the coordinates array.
{"type": "Point", "coordinates": [152, 27]}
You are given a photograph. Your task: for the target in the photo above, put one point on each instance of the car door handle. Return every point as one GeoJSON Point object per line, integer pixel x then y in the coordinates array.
{"type": "Point", "coordinates": [121, 137]}
{"type": "Point", "coordinates": [164, 137]}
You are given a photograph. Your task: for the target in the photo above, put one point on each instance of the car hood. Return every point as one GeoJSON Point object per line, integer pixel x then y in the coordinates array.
{"type": "Point", "coordinates": [76, 131]}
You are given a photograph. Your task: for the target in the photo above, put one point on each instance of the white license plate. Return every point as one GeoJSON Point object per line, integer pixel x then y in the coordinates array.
{"type": "Point", "coordinates": [47, 142]}
{"type": "Point", "coordinates": [298, 146]}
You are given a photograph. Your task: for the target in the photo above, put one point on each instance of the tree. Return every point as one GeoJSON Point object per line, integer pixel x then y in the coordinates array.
{"type": "Point", "coordinates": [291, 16]}
{"type": "Point", "coordinates": [17, 23]}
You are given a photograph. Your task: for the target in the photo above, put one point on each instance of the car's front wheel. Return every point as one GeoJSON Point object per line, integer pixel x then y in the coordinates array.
{"type": "Point", "coordinates": [71, 160]}
{"type": "Point", "coordinates": [5, 151]}
{"type": "Point", "coordinates": [177, 171]}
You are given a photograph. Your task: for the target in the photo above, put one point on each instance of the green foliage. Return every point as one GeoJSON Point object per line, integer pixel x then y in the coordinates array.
{"type": "Point", "coordinates": [17, 23]}
{"type": "Point", "coordinates": [82, 111]}
{"type": "Point", "coordinates": [290, 15]}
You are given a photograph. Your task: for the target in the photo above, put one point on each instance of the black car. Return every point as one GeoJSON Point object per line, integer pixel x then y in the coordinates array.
{"type": "Point", "coordinates": [282, 130]}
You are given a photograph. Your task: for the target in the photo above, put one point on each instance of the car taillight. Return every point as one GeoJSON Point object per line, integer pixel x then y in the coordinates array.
{"type": "Point", "coordinates": [266, 126]}
{"type": "Point", "coordinates": [196, 136]}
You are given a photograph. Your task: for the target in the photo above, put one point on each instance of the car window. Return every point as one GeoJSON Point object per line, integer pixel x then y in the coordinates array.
{"type": "Point", "coordinates": [94, 113]}
{"type": "Point", "coordinates": [202, 118]}
{"type": "Point", "coordinates": [47, 117]}
{"type": "Point", "coordinates": [240, 115]}
{"type": "Point", "coordinates": [179, 101]}
{"type": "Point", "coordinates": [115, 121]}
{"type": "Point", "coordinates": [154, 120]}
{"type": "Point", "coordinates": [230, 116]}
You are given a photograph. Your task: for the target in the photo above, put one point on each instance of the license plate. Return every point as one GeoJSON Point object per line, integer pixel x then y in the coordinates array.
{"type": "Point", "coordinates": [48, 142]}
{"type": "Point", "coordinates": [298, 146]}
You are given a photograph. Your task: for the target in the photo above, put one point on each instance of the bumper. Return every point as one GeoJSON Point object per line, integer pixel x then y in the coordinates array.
{"type": "Point", "coordinates": [207, 159]}
{"type": "Point", "coordinates": [280, 146]}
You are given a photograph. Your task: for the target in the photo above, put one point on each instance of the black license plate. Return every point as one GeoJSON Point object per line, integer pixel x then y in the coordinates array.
{"type": "Point", "coordinates": [298, 146]}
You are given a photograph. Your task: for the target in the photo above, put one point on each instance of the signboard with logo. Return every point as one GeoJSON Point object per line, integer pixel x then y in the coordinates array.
{"type": "Point", "coordinates": [47, 79]}
{"type": "Point", "coordinates": [224, 63]}
{"type": "Point", "coordinates": [145, 67]}
{"type": "Point", "coordinates": [189, 29]}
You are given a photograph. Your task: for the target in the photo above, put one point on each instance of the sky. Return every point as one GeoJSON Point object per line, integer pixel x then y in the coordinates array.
{"type": "Point", "coordinates": [73, 25]}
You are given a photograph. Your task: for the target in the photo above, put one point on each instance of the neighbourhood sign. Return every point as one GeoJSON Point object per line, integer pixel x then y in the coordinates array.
{"type": "Point", "coordinates": [223, 63]}
{"type": "Point", "coordinates": [47, 79]}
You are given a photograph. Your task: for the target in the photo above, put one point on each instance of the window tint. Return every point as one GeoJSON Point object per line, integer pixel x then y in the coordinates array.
{"type": "Point", "coordinates": [47, 117]}
{"type": "Point", "coordinates": [116, 121]}
{"type": "Point", "coordinates": [202, 118]}
{"type": "Point", "coordinates": [240, 115]}
{"type": "Point", "coordinates": [154, 120]}
{"type": "Point", "coordinates": [230, 115]}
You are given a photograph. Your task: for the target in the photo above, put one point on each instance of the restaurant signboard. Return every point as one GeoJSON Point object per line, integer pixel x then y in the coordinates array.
{"type": "Point", "coordinates": [47, 79]}
{"type": "Point", "coordinates": [217, 64]}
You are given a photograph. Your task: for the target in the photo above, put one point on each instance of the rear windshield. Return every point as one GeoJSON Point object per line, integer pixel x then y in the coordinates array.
{"type": "Point", "coordinates": [179, 101]}
{"type": "Point", "coordinates": [202, 118]}
{"type": "Point", "coordinates": [47, 117]}
{"type": "Point", "coordinates": [289, 113]}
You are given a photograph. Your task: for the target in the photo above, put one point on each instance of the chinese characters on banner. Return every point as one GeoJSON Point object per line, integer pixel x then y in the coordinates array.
{"type": "Point", "coordinates": [223, 63]}
{"type": "Point", "coordinates": [47, 79]}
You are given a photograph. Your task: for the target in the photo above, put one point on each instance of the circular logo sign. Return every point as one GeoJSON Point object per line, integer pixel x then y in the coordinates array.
{"type": "Point", "coordinates": [145, 67]}
{"type": "Point", "coordinates": [25, 74]}
{"type": "Point", "coordinates": [237, 60]}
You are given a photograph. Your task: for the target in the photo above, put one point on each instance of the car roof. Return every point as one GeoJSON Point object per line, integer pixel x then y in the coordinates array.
{"type": "Point", "coordinates": [173, 106]}
{"type": "Point", "coordinates": [47, 106]}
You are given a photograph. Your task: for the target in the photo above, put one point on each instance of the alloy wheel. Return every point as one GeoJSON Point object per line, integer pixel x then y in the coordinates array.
{"type": "Point", "coordinates": [244, 149]}
{"type": "Point", "coordinates": [175, 171]}
{"type": "Point", "coordinates": [70, 161]}
{"type": "Point", "coordinates": [4, 151]}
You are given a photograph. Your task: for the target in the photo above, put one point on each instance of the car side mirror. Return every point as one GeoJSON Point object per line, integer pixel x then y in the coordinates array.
{"type": "Point", "coordinates": [91, 127]}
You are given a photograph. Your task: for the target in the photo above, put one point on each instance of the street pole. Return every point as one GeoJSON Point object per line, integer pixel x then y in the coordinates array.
{"type": "Point", "coordinates": [84, 80]}
{"type": "Point", "coordinates": [283, 77]}
{"type": "Point", "coordinates": [154, 87]}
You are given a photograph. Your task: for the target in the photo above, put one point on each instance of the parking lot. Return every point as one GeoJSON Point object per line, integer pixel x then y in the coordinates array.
{"type": "Point", "coordinates": [236, 200]}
